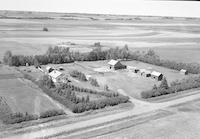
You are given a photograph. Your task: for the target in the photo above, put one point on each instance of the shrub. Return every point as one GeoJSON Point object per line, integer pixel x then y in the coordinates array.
{"type": "Point", "coordinates": [94, 82]}
{"type": "Point", "coordinates": [76, 74]}
{"type": "Point", "coordinates": [51, 113]}
{"type": "Point", "coordinates": [18, 118]}
{"type": "Point", "coordinates": [45, 29]}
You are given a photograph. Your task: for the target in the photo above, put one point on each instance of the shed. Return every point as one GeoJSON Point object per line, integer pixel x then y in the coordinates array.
{"type": "Point", "coordinates": [157, 75]}
{"type": "Point", "coordinates": [55, 75]}
{"type": "Point", "coordinates": [115, 65]}
{"type": "Point", "coordinates": [183, 71]}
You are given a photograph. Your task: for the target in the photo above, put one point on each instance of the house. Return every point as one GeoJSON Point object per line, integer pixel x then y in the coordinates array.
{"type": "Point", "coordinates": [115, 65]}
{"type": "Point", "coordinates": [49, 69]}
{"type": "Point", "coordinates": [56, 75]}
{"type": "Point", "coordinates": [145, 72]}
{"type": "Point", "coordinates": [157, 75]}
{"type": "Point", "coordinates": [183, 71]}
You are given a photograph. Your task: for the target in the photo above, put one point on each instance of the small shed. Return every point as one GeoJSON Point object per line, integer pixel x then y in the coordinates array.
{"type": "Point", "coordinates": [55, 75]}
{"type": "Point", "coordinates": [157, 75]}
{"type": "Point", "coordinates": [183, 71]}
{"type": "Point", "coordinates": [115, 65]}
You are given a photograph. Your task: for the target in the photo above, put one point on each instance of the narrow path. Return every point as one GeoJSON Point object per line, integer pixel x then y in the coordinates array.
{"type": "Point", "coordinates": [140, 107]}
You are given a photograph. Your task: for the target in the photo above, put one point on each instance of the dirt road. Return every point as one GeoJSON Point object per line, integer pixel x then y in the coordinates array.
{"type": "Point", "coordinates": [140, 107]}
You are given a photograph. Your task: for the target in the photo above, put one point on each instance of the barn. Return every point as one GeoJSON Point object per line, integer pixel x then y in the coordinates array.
{"type": "Point", "coordinates": [157, 75]}
{"type": "Point", "coordinates": [183, 71]}
{"type": "Point", "coordinates": [115, 65]}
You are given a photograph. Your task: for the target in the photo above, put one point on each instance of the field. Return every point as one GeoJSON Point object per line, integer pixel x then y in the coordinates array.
{"type": "Point", "coordinates": [167, 36]}
{"type": "Point", "coordinates": [180, 121]}
{"type": "Point", "coordinates": [122, 81]}
{"type": "Point", "coordinates": [21, 95]}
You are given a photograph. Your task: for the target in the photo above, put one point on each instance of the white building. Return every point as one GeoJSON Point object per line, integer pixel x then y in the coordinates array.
{"type": "Point", "coordinates": [56, 75]}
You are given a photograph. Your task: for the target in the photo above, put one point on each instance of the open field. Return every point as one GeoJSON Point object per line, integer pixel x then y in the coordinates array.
{"type": "Point", "coordinates": [22, 95]}
{"type": "Point", "coordinates": [166, 36]}
{"type": "Point", "coordinates": [182, 122]}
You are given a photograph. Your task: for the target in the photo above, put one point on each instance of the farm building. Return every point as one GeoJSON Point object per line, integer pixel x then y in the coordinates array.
{"type": "Point", "coordinates": [49, 69]}
{"type": "Point", "coordinates": [157, 75]}
{"type": "Point", "coordinates": [56, 75]}
{"type": "Point", "coordinates": [183, 71]}
{"type": "Point", "coordinates": [145, 72]}
{"type": "Point", "coordinates": [115, 65]}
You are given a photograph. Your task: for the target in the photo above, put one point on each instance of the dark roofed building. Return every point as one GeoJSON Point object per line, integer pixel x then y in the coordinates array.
{"type": "Point", "coordinates": [115, 65]}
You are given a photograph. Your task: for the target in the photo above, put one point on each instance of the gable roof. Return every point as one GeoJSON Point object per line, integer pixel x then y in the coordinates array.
{"type": "Point", "coordinates": [55, 74]}
{"type": "Point", "coordinates": [113, 62]}
{"type": "Point", "coordinates": [155, 73]}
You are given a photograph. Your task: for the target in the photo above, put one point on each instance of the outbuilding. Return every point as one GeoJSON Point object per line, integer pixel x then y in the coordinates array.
{"type": "Point", "coordinates": [115, 65]}
{"type": "Point", "coordinates": [56, 75]}
{"type": "Point", "coordinates": [183, 71]}
{"type": "Point", "coordinates": [157, 75]}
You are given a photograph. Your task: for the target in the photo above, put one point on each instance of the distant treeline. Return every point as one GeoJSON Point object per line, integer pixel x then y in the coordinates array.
{"type": "Point", "coordinates": [59, 55]}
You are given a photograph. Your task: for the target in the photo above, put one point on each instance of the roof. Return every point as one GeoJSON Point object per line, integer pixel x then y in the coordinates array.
{"type": "Point", "coordinates": [48, 68]}
{"type": "Point", "coordinates": [155, 73]}
{"type": "Point", "coordinates": [183, 70]}
{"type": "Point", "coordinates": [55, 74]}
{"type": "Point", "coordinates": [113, 62]}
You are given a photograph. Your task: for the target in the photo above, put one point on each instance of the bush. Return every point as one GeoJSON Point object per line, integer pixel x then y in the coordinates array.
{"type": "Point", "coordinates": [51, 113]}
{"type": "Point", "coordinates": [94, 82]}
{"type": "Point", "coordinates": [176, 86]}
{"type": "Point", "coordinates": [79, 75]}
{"type": "Point", "coordinates": [18, 118]}
{"type": "Point", "coordinates": [45, 29]}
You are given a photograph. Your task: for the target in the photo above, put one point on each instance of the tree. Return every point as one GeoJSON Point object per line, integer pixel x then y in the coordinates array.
{"type": "Point", "coordinates": [7, 59]}
{"type": "Point", "coordinates": [36, 63]}
{"type": "Point", "coordinates": [164, 84]}
{"type": "Point", "coordinates": [154, 87]}
{"type": "Point", "coordinates": [45, 29]}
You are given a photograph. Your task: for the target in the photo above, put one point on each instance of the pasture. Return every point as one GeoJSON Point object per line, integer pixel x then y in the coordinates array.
{"type": "Point", "coordinates": [22, 95]}
{"type": "Point", "coordinates": [172, 38]}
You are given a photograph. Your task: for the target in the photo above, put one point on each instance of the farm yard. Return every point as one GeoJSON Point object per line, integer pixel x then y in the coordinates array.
{"type": "Point", "coordinates": [128, 81]}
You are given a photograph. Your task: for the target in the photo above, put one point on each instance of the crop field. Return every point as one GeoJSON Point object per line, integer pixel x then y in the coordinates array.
{"type": "Point", "coordinates": [21, 95]}
{"type": "Point", "coordinates": [172, 38]}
